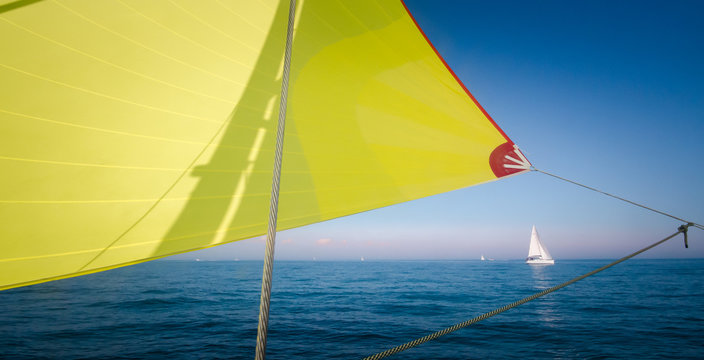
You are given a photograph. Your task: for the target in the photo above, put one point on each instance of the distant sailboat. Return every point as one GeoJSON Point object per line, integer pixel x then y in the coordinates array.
{"type": "Point", "coordinates": [483, 258]}
{"type": "Point", "coordinates": [537, 252]}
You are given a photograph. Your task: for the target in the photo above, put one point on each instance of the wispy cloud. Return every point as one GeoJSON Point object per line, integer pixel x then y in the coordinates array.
{"type": "Point", "coordinates": [324, 241]}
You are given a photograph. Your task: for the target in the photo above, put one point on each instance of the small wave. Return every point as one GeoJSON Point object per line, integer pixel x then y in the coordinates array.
{"type": "Point", "coordinates": [157, 302]}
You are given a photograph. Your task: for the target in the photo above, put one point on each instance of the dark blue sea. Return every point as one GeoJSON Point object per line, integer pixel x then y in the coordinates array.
{"type": "Point", "coordinates": [641, 309]}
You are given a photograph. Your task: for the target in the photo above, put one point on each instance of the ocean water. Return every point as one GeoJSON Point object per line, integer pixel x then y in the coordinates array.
{"type": "Point", "coordinates": [645, 309]}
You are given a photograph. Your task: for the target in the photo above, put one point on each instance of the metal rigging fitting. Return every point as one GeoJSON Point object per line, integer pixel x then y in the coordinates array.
{"type": "Point", "coordinates": [683, 229]}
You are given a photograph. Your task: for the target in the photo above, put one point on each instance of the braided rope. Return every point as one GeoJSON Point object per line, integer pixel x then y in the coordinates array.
{"type": "Point", "coordinates": [264, 301]}
{"type": "Point", "coordinates": [479, 318]}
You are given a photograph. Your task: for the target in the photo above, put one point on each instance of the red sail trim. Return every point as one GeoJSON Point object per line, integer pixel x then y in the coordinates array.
{"type": "Point", "coordinates": [498, 160]}
{"type": "Point", "coordinates": [455, 75]}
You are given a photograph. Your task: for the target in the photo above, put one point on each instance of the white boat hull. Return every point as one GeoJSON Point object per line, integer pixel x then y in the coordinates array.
{"type": "Point", "coordinates": [540, 262]}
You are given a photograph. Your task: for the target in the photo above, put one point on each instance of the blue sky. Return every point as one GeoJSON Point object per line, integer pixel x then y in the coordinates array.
{"type": "Point", "coordinates": [610, 94]}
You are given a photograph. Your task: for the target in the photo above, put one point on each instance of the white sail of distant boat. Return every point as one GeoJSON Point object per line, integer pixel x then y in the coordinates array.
{"type": "Point", "coordinates": [537, 252]}
{"type": "Point", "coordinates": [483, 258]}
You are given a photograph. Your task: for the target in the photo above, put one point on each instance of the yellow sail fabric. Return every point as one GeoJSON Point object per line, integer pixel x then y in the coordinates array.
{"type": "Point", "coordinates": [132, 130]}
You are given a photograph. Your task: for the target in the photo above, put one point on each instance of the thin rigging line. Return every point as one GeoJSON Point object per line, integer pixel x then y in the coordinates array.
{"type": "Point", "coordinates": [620, 198]}
{"type": "Point", "coordinates": [461, 325]}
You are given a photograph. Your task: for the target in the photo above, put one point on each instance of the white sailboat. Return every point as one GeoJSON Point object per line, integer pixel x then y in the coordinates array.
{"type": "Point", "coordinates": [537, 252]}
{"type": "Point", "coordinates": [483, 258]}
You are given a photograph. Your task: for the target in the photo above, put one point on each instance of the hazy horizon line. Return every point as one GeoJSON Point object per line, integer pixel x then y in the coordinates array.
{"type": "Point", "coordinates": [387, 260]}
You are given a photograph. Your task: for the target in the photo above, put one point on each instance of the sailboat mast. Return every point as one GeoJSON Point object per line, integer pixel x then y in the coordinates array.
{"type": "Point", "coordinates": [274, 202]}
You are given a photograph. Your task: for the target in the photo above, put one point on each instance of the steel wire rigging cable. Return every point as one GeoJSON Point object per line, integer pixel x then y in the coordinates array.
{"type": "Point", "coordinates": [262, 327]}
{"type": "Point", "coordinates": [619, 198]}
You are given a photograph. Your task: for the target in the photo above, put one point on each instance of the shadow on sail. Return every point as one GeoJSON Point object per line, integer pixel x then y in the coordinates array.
{"type": "Point", "coordinates": [230, 200]}
{"type": "Point", "coordinates": [139, 159]}
{"type": "Point", "coordinates": [16, 4]}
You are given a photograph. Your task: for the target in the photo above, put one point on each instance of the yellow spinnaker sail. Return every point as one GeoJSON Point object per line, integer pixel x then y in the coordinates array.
{"type": "Point", "coordinates": [133, 130]}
